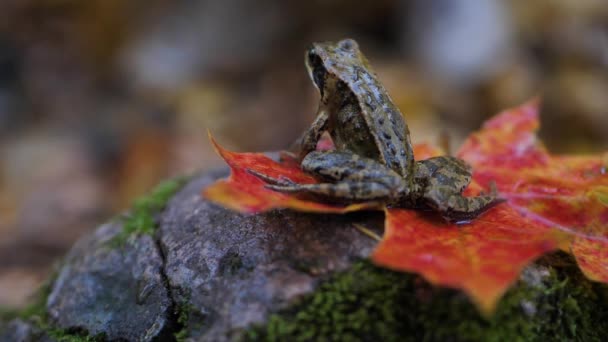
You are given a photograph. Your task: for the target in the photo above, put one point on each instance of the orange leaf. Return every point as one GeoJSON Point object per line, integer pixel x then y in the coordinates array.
{"type": "Point", "coordinates": [483, 257]}
{"type": "Point", "coordinates": [508, 137]}
{"type": "Point", "coordinates": [567, 193]}
{"type": "Point", "coordinates": [246, 193]}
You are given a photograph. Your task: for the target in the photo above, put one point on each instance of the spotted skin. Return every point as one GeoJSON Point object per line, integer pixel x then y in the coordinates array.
{"type": "Point", "coordinates": [361, 117]}
{"type": "Point", "coordinates": [349, 177]}
{"type": "Point", "coordinates": [374, 158]}
{"type": "Point", "coordinates": [444, 178]}
{"type": "Point", "coordinates": [445, 172]}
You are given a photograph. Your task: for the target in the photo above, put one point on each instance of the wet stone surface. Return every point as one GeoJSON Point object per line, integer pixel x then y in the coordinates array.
{"type": "Point", "coordinates": [115, 291]}
{"type": "Point", "coordinates": [232, 270]}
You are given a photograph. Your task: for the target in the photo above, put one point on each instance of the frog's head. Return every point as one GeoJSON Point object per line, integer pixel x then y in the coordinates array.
{"type": "Point", "coordinates": [331, 59]}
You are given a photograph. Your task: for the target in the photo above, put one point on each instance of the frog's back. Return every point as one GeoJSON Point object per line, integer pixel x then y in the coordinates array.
{"type": "Point", "coordinates": [383, 119]}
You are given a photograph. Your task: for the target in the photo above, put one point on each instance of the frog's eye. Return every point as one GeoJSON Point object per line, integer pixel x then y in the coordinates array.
{"type": "Point", "coordinates": [316, 69]}
{"type": "Point", "coordinates": [318, 75]}
{"type": "Point", "coordinates": [347, 44]}
{"type": "Point", "coordinates": [311, 58]}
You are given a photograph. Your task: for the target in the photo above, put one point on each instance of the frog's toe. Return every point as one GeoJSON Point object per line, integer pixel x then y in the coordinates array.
{"type": "Point", "coordinates": [282, 180]}
{"type": "Point", "coordinates": [289, 188]}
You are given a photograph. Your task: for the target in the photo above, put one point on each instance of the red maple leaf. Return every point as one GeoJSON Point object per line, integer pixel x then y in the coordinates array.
{"type": "Point", "coordinates": [552, 202]}
{"type": "Point", "coordinates": [567, 193]}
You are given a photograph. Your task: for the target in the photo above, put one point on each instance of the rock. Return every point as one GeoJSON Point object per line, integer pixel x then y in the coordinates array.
{"type": "Point", "coordinates": [118, 292]}
{"type": "Point", "coordinates": [209, 274]}
{"type": "Point", "coordinates": [211, 270]}
{"type": "Point", "coordinates": [233, 270]}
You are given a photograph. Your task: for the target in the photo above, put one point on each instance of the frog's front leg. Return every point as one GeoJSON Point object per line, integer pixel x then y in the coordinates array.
{"type": "Point", "coordinates": [347, 177]}
{"type": "Point", "coordinates": [309, 139]}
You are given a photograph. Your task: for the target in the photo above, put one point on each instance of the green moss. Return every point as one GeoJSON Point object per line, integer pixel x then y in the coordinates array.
{"type": "Point", "coordinates": [189, 321]}
{"type": "Point", "coordinates": [369, 303]}
{"type": "Point", "coordinates": [62, 335]}
{"type": "Point", "coordinates": [183, 317]}
{"type": "Point", "coordinates": [140, 220]}
{"type": "Point", "coordinates": [183, 313]}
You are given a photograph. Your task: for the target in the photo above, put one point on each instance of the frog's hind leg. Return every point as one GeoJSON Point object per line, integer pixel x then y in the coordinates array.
{"type": "Point", "coordinates": [445, 171]}
{"type": "Point", "coordinates": [346, 176]}
{"type": "Point", "coordinates": [446, 178]}
{"type": "Point", "coordinates": [345, 191]}
{"type": "Point", "coordinates": [336, 166]}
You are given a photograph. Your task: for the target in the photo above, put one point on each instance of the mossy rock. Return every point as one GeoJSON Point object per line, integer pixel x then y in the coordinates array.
{"type": "Point", "coordinates": [89, 297]}
{"type": "Point", "coordinates": [366, 303]}
{"type": "Point", "coordinates": [177, 267]}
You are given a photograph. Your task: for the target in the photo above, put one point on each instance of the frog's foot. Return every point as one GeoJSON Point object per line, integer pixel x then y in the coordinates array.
{"type": "Point", "coordinates": [457, 208]}
{"type": "Point", "coordinates": [348, 191]}
{"type": "Point", "coordinates": [444, 179]}
{"type": "Point", "coordinates": [281, 181]}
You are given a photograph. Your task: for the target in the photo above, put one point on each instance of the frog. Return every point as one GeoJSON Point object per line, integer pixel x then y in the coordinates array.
{"type": "Point", "coordinates": [373, 159]}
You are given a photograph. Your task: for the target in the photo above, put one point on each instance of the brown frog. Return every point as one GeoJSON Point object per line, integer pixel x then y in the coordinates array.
{"type": "Point", "coordinates": [374, 158]}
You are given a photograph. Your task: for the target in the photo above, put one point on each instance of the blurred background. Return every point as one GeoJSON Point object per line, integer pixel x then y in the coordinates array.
{"type": "Point", "coordinates": [101, 99]}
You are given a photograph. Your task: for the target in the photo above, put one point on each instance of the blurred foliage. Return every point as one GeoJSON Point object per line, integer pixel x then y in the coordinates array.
{"type": "Point", "coordinates": [101, 99]}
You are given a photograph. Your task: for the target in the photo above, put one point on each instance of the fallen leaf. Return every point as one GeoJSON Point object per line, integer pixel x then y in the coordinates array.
{"type": "Point", "coordinates": [244, 192]}
{"type": "Point", "coordinates": [483, 257]}
{"type": "Point", "coordinates": [567, 193]}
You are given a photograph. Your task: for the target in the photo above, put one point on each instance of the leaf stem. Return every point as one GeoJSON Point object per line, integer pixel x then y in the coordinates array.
{"type": "Point", "coordinates": [367, 231]}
